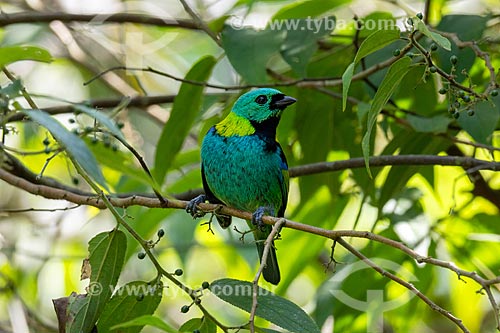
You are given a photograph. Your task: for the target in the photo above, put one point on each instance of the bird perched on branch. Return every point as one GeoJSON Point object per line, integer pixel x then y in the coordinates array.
{"type": "Point", "coordinates": [242, 166]}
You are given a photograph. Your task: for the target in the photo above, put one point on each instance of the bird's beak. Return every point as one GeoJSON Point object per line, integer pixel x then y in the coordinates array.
{"type": "Point", "coordinates": [285, 101]}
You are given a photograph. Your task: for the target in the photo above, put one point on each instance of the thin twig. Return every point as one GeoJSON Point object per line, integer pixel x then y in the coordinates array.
{"type": "Point", "coordinates": [267, 246]}
{"type": "Point", "coordinates": [200, 23]}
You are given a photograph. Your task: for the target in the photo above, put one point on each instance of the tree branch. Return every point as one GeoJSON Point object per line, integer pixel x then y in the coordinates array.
{"type": "Point", "coordinates": [19, 176]}
{"type": "Point", "coordinates": [56, 193]}
{"type": "Point", "coordinates": [47, 17]}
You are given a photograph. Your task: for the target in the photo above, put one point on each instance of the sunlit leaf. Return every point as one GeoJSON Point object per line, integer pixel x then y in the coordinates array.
{"type": "Point", "coordinates": [74, 145]}
{"type": "Point", "coordinates": [273, 308]}
{"type": "Point", "coordinates": [10, 54]}
{"type": "Point", "coordinates": [107, 253]}
{"type": "Point", "coordinates": [394, 75]}
{"type": "Point", "coordinates": [131, 301]}
{"type": "Point", "coordinates": [186, 107]}
{"type": "Point", "coordinates": [372, 43]}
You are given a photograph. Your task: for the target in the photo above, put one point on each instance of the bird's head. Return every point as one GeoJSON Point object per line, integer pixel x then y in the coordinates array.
{"type": "Point", "coordinates": [262, 104]}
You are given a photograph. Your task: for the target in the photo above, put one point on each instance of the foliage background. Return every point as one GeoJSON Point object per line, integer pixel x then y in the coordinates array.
{"type": "Point", "coordinates": [438, 211]}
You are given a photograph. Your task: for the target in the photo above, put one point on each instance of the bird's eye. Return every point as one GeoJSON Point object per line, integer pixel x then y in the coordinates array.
{"type": "Point", "coordinates": [261, 99]}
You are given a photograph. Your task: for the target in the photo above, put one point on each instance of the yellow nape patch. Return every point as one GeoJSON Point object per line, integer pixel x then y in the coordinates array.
{"type": "Point", "coordinates": [234, 125]}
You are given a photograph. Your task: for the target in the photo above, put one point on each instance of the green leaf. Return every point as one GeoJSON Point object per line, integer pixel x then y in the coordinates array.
{"type": "Point", "coordinates": [372, 43]}
{"type": "Point", "coordinates": [208, 326]}
{"type": "Point", "coordinates": [483, 123]}
{"type": "Point", "coordinates": [119, 161]}
{"type": "Point", "coordinates": [394, 75]}
{"type": "Point", "coordinates": [13, 89]}
{"type": "Point", "coordinates": [440, 40]}
{"type": "Point", "coordinates": [10, 54]}
{"type": "Point", "coordinates": [186, 107]}
{"type": "Point", "coordinates": [101, 118]}
{"type": "Point", "coordinates": [73, 145]}
{"type": "Point", "coordinates": [437, 124]}
{"type": "Point", "coordinates": [249, 50]}
{"type": "Point", "coordinates": [148, 320]}
{"type": "Point", "coordinates": [133, 300]}
{"type": "Point", "coordinates": [191, 325]}
{"type": "Point", "coordinates": [273, 308]}
{"type": "Point", "coordinates": [302, 41]}
{"type": "Point", "coordinates": [107, 253]}
{"type": "Point", "coordinates": [307, 9]}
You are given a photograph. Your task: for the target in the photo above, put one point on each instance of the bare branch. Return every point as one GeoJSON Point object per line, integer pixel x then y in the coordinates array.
{"type": "Point", "coordinates": [47, 17]}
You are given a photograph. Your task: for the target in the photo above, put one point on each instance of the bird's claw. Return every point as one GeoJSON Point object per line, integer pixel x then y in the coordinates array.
{"type": "Point", "coordinates": [259, 214]}
{"type": "Point", "coordinates": [192, 206]}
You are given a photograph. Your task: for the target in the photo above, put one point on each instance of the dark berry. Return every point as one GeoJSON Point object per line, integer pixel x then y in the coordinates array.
{"type": "Point", "coordinates": [470, 113]}
{"type": "Point", "coordinates": [161, 233]}
{"type": "Point", "coordinates": [75, 181]}
{"type": "Point", "coordinates": [94, 140]}
{"type": "Point", "coordinates": [466, 98]}
{"type": "Point", "coordinates": [443, 91]}
{"type": "Point", "coordinates": [141, 255]}
{"type": "Point", "coordinates": [461, 93]}
{"type": "Point", "coordinates": [409, 21]}
{"type": "Point", "coordinates": [114, 147]}
{"type": "Point", "coordinates": [205, 285]}
{"type": "Point", "coordinates": [196, 331]}
{"type": "Point", "coordinates": [453, 59]}
{"type": "Point", "coordinates": [185, 309]}
{"type": "Point", "coordinates": [434, 47]}
{"type": "Point", "coordinates": [452, 110]}
{"type": "Point", "coordinates": [396, 52]}
{"type": "Point", "coordinates": [432, 69]}
{"type": "Point", "coordinates": [71, 120]}
{"type": "Point", "coordinates": [46, 142]}
{"type": "Point", "coordinates": [494, 92]}
{"type": "Point", "coordinates": [420, 16]}
{"type": "Point", "coordinates": [178, 272]}
{"type": "Point", "coordinates": [456, 115]}
{"type": "Point", "coordinates": [456, 104]}
{"type": "Point", "coordinates": [120, 125]}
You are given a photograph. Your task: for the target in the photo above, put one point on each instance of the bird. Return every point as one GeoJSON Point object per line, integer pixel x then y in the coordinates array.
{"type": "Point", "coordinates": [244, 167]}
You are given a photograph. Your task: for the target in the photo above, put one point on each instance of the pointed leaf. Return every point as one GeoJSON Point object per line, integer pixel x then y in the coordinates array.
{"type": "Point", "coordinates": [73, 144]}
{"type": "Point", "coordinates": [133, 300]}
{"type": "Point", "coordinates": [10, 54]}
{"type": "Point", "coordinates": [440, 40]}
{"type": "Point", "coordinates": [394, 75]}
{"type": "Point", "coordinates": [272, 307]}
{"type": "Point", "coordinates": [186, 107]}
{"type": "Point", "coordinates": [372, 43]}
{"type": "Point", "coordinates": [107, 253]}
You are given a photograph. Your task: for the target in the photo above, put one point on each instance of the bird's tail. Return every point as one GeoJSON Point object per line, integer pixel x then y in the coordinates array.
{"type": "Point", "coordinates": [271, 270]}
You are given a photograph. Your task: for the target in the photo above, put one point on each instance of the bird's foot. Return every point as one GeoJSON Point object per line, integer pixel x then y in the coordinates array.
{"type": "Point", "coordinates": [192, 206]}
{"type": "Point", "coordinates": [259, 214]}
